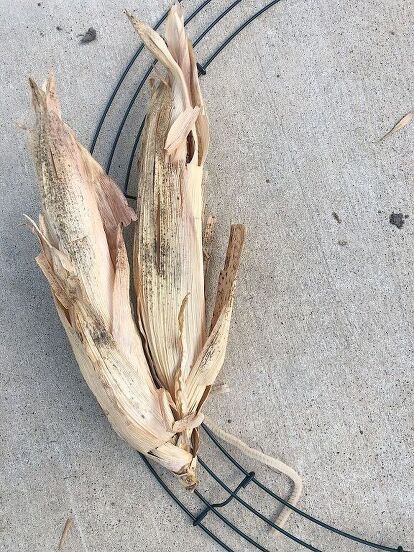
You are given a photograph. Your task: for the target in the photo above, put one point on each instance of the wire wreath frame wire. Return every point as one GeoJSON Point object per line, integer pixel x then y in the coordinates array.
{"type": "Point", "coordinates": [249, 477]}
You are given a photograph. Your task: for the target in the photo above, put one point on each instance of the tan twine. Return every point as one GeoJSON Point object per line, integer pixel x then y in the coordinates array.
{"type": "Point", "coordinates": [269, 461]}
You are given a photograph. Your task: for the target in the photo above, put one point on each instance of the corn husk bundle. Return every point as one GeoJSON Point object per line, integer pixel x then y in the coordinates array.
{"type": "Point", "coordinates": [151, 382]}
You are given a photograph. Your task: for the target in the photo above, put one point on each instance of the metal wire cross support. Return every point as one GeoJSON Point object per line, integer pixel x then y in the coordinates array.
{"type": "Point", "coordinates": [248, 478]}
{"type": "Point", "coordinates": [242, 485]}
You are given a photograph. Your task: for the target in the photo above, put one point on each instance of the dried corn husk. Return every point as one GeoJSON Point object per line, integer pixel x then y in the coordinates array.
{"type": "Point", "coordinates": [151, 384]}
{"type": "Point", "coordinates": [84, 258]}
{"type": "Point", "coordinates": [168, 252]}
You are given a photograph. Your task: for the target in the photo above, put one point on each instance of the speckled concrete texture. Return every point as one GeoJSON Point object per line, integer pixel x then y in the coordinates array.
{"type": "Point", "coordinates": [320, 359]}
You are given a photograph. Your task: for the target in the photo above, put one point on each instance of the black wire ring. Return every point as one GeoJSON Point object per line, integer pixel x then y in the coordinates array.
{"type": "Point", "coordinates": [249, 476]}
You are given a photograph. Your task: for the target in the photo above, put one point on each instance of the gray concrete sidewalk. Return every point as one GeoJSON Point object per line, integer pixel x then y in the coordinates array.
{"type": "Point", "coordinates": [320, 359]}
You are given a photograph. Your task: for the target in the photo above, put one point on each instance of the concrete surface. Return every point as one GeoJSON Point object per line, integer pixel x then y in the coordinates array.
{"type": "Point", "coordinates": [321, 352]}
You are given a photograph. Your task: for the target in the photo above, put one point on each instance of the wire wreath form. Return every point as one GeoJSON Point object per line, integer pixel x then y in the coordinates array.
{"type": "Point", "coordinates": [248, 477]}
